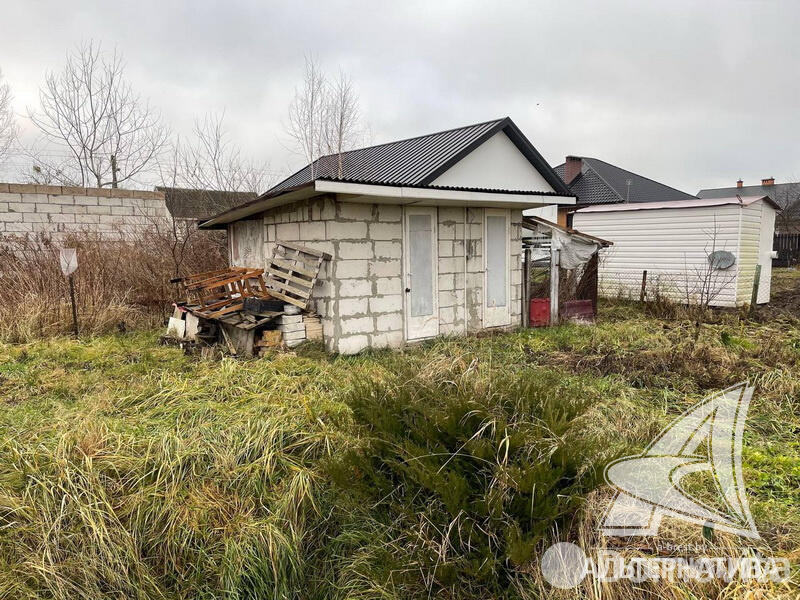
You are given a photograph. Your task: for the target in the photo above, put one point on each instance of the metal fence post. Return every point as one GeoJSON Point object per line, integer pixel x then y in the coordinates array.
{"type": "Point", "coordinates": [756, 281]}
{"type": "Point", "coordinates": [554, 273]}
{"type": "Point", "coordinates": [643, 292]}
{"type": "Point", "coordinates": [526, 289]}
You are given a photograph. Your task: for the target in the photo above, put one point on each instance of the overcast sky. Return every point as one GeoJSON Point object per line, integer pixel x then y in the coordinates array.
{"type": "Point", "coordinates": [692, 94]}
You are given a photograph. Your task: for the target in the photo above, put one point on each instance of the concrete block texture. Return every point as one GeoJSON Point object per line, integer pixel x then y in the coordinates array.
{"type": "Point", "coordinates": [385, 268]}
{"type": "Point", "coordinates": [385, 231]}
{"type": "Point", "coordinates": [357, 325]}
{"type": "Point", "coordinates": [390, 339]}
{"type": "Point", "coordinates": [389, 213]}
{"type": "Point", "coordinates": [388, 249]}
{"type": "Point", "coordinates": [349, 269]}
{"type": "Point", "coordinates": [349, 288]}
{"type": "Point", "coordinates": [358, 250]}
{"type": "Point", "coordinates": [389, 322]}
{"type": "Point", "coordinates": [352, 344]}
{"type": "Point", "coordinates": [384, 304]}
{"type": "Point", "coordinates": [354, 212]}
{"type": "Point", "coordinates": [346, 230]}
{"type": "Point", "coordinates": [388, 285]}
{"type": "Point", "coordinates": [312, 230]}
{"type": "Point", "coordinates": [353, 307]}
{"type": "Point", "coordinates": [23, 207]}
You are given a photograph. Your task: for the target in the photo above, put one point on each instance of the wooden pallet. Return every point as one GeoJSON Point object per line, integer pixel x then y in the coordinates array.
{"type": "Point", "coordinates": [292, 272]}
{"type": "Point", "coordinates": [214, 294]}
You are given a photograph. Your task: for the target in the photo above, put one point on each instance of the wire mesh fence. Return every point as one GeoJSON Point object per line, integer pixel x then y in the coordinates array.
{"type": "Point", "coordinates": [704, 287]}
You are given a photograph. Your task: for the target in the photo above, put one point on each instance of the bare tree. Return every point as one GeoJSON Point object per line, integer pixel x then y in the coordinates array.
{"type": "Point", "coordinates": [787, 197]}
{"type": "Point", "coordinates": [307, 113]}
{"type": "Point", "coordinates": [8, 126]}
{"type": "Point", "coordinates": [210, 172]}
{"type": "Point", "coordinates": [213, 162]}
{"type": "Point", "coordinates": [88, 109]}
{"type": "Point", "coordinates": [341, 127]}
{"type": "Point", "coordinates": [709, 279]}
{"type": "Point", "coordinates": [324, 116]}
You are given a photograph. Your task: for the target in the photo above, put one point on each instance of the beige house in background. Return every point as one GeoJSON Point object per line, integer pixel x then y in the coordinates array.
{"type": "Point", "coordinates": [424, 233]}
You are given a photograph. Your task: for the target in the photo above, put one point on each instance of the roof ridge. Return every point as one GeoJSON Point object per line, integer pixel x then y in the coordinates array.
{"type": "Point", "coordinates": [636, 174]}
{"type": "Point", "coordinates": [415, 137]}
{"type": "Point", "coordinates": [321, 159]}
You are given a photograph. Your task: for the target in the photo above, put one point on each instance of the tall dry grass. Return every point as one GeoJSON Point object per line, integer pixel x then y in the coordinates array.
{"type": "Point", "coordinates": [118, 284]}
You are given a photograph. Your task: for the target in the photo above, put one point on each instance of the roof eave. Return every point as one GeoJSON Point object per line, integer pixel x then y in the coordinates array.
{"type": "Point", "coordinates": [431, 195]}
{"type": "Point", "coordinates": [264, 202]}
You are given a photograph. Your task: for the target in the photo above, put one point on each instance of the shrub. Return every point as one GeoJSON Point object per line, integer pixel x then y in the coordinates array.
{"type": "Point", "coordinates": [117, 282]}
{"type": "Point", "coordinates": [464, 475]}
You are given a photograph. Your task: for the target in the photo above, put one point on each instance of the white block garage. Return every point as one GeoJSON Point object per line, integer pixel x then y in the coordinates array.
{"type": "Point", "coordinates": [424, 233]}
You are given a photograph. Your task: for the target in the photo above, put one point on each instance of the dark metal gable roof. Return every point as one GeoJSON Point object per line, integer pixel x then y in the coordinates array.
{"type": "Point", "coordinates": [603, 183]}
{"type": "Point", "coordinates": [186, 203]}
{"type": "Point", "coordinates": [417, 161]}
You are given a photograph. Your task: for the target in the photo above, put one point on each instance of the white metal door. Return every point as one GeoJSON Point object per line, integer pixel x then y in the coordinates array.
{"type": "Point", "coordinates": [497, 288]}
{"type": "Point", "coordinates": [421, 266]}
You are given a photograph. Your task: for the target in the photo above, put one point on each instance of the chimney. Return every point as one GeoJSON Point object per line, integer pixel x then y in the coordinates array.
{"type": "Point", "coordinates": [768, 181]}
{"type": "Point", "coordinates": [739, 183]}
{"type": "Point", "coordinates": [572, 168]}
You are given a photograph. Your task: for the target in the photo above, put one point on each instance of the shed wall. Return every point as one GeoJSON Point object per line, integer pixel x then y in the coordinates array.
{"type": "Point", "coordinates": [672, 245]}
{"type": "Point", "coordinates": [359, 294]}
{"type": "Point", "coordinates": [748, 256]}
{"type": "Point", "coordinates": [765, 252]}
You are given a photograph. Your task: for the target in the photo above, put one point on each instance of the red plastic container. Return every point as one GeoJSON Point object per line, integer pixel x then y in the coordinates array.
{"type": "Point", "coordinates": [540, 312]}
{"type": "Point", "coordinates": [578, 310]}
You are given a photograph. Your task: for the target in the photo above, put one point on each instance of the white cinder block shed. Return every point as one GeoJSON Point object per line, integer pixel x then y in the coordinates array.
{"type": "Point", "coordinates": [424, 233]}
{"type": "Point", "coordinates": [674, 241]}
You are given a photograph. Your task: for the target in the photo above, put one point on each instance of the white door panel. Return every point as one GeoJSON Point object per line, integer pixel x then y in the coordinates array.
{"type": "Point", "coordinates": [497, 289]}
{"type": "Point", "coordinates": [421, 265]}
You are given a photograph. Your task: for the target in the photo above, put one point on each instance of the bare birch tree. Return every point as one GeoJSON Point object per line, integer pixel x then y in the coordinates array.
{"type": "Point", "coordinates": [341, 126]}
{"type": "Point", "coordinates": [213, 162]}
{"type": "Point", "coordinates": [210, 172]}
{"type": "Point", "coordinates": [8, 126]}
{"type": "Point", "coordinates": [324, 117]}
{"type": "Point", "coordinates": [88, 109]}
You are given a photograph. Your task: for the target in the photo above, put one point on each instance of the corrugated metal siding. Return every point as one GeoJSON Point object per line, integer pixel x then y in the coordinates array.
{"type": "Point", "coordinates": [748, 251]}
{"type": "Point", "coordinates": [405, 162]}
{"type": "Point", "coordinates": [765, 251]}
{"type": "Point", "coordinates": [671, 244]}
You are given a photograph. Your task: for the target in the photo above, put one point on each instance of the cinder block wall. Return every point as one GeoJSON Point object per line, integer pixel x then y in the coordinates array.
{"type": "Point", "coordinates": [359, 294]}
{"type": "Point", "coordinates": [62, 210]}
{"type": "Point", "coordinates": [475, 275]}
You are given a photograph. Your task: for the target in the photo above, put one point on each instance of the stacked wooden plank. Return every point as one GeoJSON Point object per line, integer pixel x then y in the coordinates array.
{"type": "Point", "coordinates": [214, 294]}
{"type": "Point", "coordinates": [313, 327]}
{"type": "Point", "coordinates": [248, 309]}
{"type": "Point", "coordinates": [269, 340]}
{"type": "Point", "coordinates": [292, 272]}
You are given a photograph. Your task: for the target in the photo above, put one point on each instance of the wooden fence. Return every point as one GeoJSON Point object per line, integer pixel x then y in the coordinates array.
{"type": "Point", "coordinates": [788, 247]}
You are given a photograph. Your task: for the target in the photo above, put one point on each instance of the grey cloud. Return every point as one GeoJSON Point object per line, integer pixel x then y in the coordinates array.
{"type": "Point", "coordinates": [692, 94]}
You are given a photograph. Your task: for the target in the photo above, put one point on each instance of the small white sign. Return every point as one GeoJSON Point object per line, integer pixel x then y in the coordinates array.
{"type": "Point", "coordinates": [69, 261]}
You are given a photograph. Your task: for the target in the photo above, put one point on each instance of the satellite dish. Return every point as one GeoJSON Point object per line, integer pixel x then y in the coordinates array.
{"type": "Point", "coordinates": [721, 259]}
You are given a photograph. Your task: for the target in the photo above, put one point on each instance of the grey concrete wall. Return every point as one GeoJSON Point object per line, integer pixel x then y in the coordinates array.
{"type": "Point", "coordinates": [476, 269]}
{"type": "Point", "coordinates": [60, 210]}
{"type": "Point", "coordinates": [359, 294]}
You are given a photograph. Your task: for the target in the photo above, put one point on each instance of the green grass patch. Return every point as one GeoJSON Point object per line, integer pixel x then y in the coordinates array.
{"type": "Point", "coordinates": [130, 470]}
